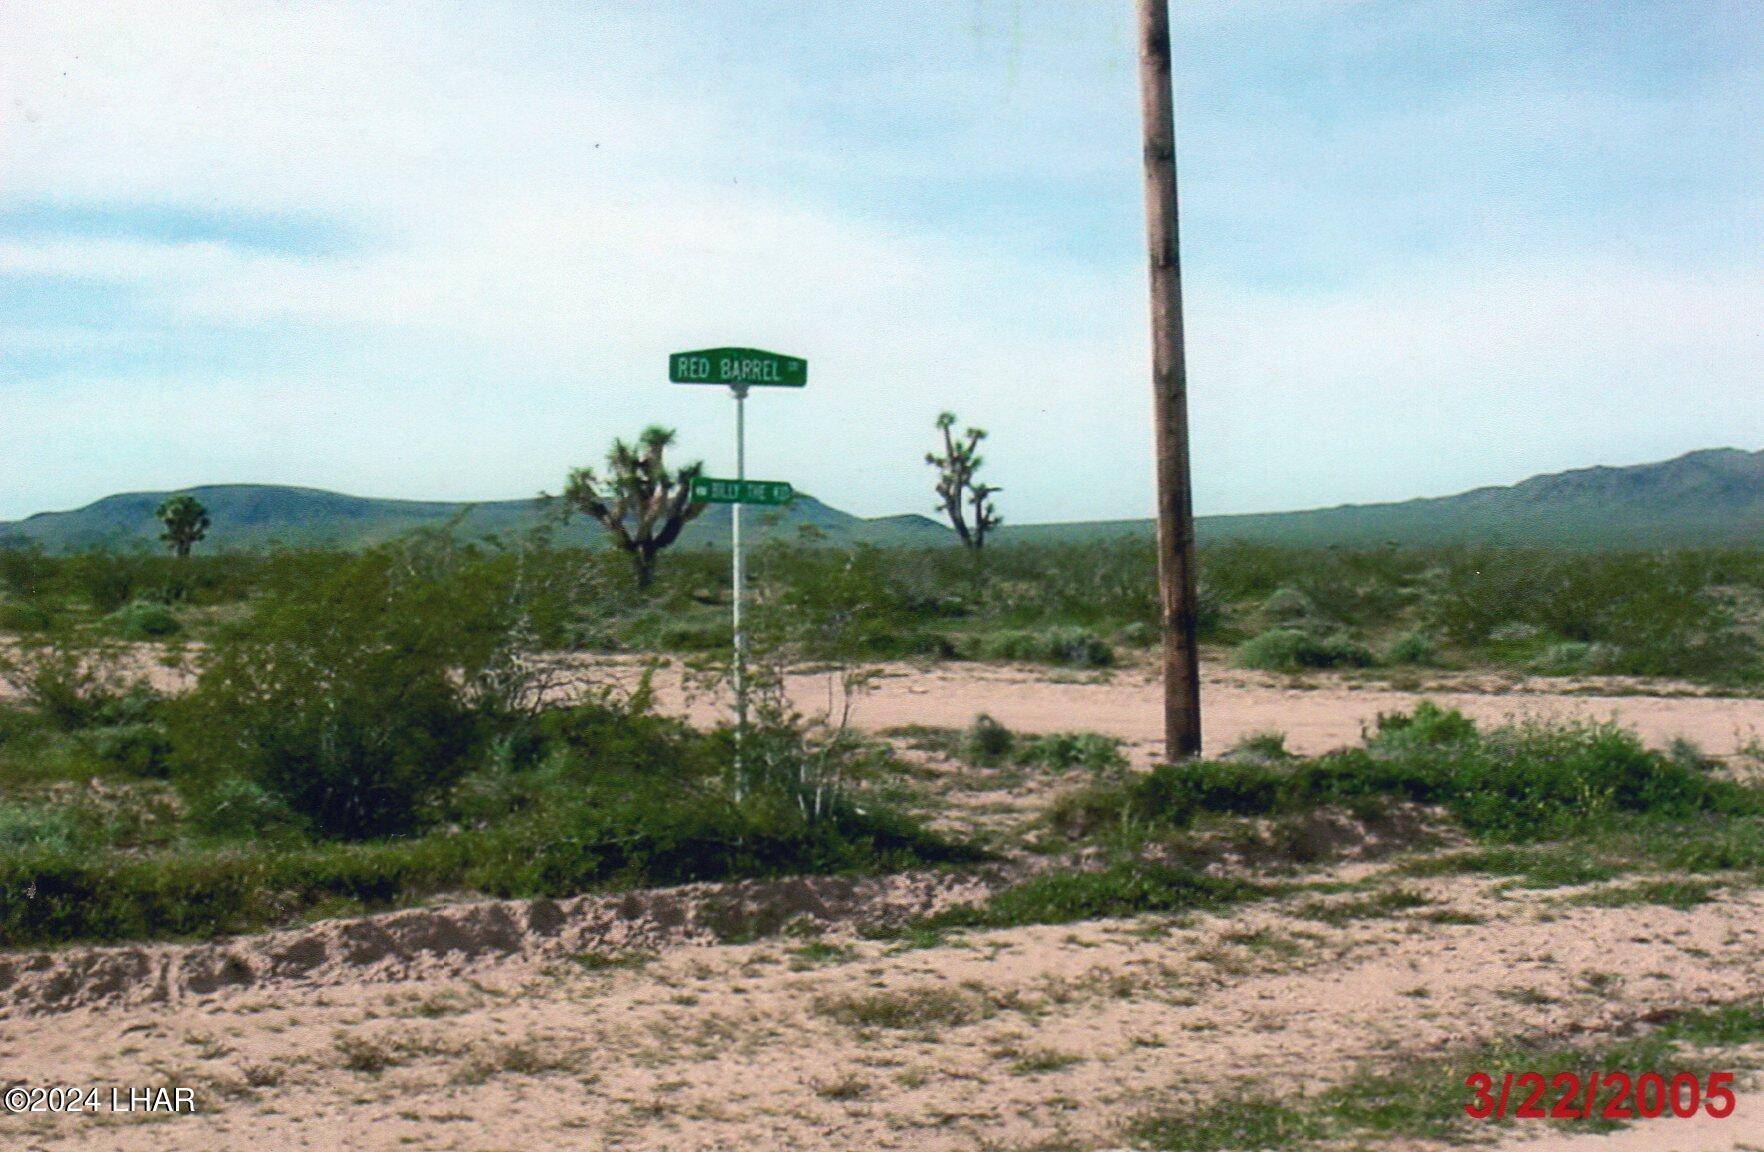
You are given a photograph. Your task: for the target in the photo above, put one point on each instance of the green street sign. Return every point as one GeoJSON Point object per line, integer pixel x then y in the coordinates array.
{"type": "Point", "coordinates": [708, 490]}
{"type": "Point", "coordinates": [737, 366]}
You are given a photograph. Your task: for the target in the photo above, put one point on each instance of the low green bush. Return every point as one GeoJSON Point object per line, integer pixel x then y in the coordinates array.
{"type": "Point", "coordinates": [1572, 657]}
{"type": "Point", "coordinates": [52, 891]}
{"type": "Point", "coordinates": [138, 749]}
{"type": "Point", "coordinates": [1523, 782]}
{"type": "Point", "coordinates": [145, 620]}
{"type": "Point", "coordinates": [1069, 647]}
{"type": "Point", "coordinates": [986, 742]}
{"type": "Point", "coordinates": [36, 828]}
{"type": "Point", "coordinates": [1415, 647]}
{"type": "Point", "coordinates": [237, 809]}
{"type": "Point", "coordinates": [1066, 750]}
{"type": "Point", "coordinates": [1126, 888]}
{"type": "Point", "coordinates": [1139, 634]}
{"type": "Point", "coordinates": [1295, 649]}
{"type": "Point", "coordinates": [26, 617]}
{"type": "Point", "coordinates": [1288, 607]}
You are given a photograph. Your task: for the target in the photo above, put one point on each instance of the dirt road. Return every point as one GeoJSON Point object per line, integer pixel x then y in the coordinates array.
{"type": "Point", "coordinates": [1316, 713]}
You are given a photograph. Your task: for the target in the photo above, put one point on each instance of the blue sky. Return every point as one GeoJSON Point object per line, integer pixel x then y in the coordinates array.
{"type": "Point", "coordinates": [442, 250]}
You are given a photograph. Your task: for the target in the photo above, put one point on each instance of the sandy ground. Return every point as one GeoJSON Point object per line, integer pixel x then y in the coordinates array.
{"type": "Point", "coordinates": [1316, 713]}
{"type": "Point", "coordinates": [1039, 1037]}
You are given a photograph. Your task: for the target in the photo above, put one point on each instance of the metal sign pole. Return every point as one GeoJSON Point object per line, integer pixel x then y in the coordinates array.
{"type": "Point", "coordinates": [740, 582]}
{"type": "Point", "coordinates": [739, 369]}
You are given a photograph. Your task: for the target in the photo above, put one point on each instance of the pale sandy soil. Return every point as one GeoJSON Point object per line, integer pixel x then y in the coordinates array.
{"type": "Point", "coordinates": [1060, 1036]}
{"type": "Point", "coordinates": [1316, 713]}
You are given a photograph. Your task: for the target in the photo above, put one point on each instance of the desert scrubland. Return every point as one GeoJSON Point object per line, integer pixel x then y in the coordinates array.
{"type": "Point", "coordinates": [442, 846]}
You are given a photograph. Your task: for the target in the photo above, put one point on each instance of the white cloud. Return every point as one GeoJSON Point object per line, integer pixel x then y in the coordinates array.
{"type": "Point", "coordinates": [542, 201]}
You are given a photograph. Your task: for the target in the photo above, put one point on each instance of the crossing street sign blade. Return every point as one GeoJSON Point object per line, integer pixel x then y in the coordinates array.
{"type": "Point", "coordinates": [710, 490]}
{"type": "Point", "coordinates": [738, 366]}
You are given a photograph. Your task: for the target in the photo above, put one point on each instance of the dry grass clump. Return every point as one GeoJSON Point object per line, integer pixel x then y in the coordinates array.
{"type": "Point", "coordinates": [911, 1009]}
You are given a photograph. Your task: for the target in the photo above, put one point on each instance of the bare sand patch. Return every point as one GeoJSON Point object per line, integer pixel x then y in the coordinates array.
{"type": "Point", "coordinates": [1316, 713]}
{"type": "Point", "coordinates": [1058, 1032]}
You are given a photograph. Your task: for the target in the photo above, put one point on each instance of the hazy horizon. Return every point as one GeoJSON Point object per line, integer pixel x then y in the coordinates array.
{"type": "Point", "coordinates": [833, 501]}
{"type": "Point", "coordinates": [442, 252]}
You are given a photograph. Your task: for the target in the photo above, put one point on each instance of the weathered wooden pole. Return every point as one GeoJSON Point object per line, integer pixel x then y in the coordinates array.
{"type": "Point", "coordinates": [1176, 576]}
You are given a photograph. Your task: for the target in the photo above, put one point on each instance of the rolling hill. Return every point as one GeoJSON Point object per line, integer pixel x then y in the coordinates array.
{"type": "Point", "coordinates": [1711, 497]}
{"type": "Point", "coordinates": [261, 515]}
{"type": "Point", "coordinates": [1702, 498]}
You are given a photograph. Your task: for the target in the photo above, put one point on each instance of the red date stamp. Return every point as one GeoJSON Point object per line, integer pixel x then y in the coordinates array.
{"type": "Point", "coordinates": [1601, 1095]}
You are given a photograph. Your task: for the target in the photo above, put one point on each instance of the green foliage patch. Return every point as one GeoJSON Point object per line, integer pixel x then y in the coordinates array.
{"type": "Point", "coordinates": [1125, 888]}
{"type": "Point", "coordinates": [1531, 781]}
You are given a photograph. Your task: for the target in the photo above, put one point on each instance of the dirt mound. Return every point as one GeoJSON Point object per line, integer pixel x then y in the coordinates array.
{"type": "Point", "coordinates": [451, 939]}
{"type": "Point", "coordinates": [1326, 835]}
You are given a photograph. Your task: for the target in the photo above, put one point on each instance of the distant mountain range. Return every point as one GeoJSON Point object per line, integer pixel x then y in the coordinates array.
{"type": "Point", "coordinates": [262, 515]}
{"type": "Point", "coordinates": [1703, 498]}
{"type": "Point", "coordinates": [1712, 497]}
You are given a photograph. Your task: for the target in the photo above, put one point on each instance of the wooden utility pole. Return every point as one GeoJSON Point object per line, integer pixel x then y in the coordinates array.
{"type": "Point", "coordinates": [1176, 577]}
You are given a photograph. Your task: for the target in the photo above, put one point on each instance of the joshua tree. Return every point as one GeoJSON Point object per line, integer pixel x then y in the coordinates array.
{"type": "Point", "coordinates": [641, 503]}
{"type": "Point", "coordinates": [956, 485]}
{"type": "Point", "coordinates": [186, 522]}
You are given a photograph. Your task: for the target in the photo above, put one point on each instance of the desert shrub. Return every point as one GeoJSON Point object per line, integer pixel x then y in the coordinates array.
{"type": "Point", "coordinates": [26, 616]}
{"type": "Point", "coordinates": [25, 571]}
{"type": "Point", "coordinates": [1126, 888]}
{"type": "Point", "coordinates": [34, 827]}
{"type": "Point", "coordinates": [1414, 647]}
{"type": "Point", "coordinates": [1078, 648]}
{"type": "Point", "coordinates": [986, 742]}
{"type": "Point", "coordinates": [842, 604]}
{"type": "Point", "coordinates": [1426, 726]}
{"type": "Point", "coordinates": [145, 620]}
{"type": "Point", "coordinates": [1294, 649]}
{"type": "Point", "coordinates": [923, 1009]}
{"type": "Point", "coordinates": [17, 724]}
{"type": "Point", "coordinates": [1065, 750]}
{"type": "Point", "coordinates": [641, 831]}
{"type": "Point", "coordinates": [1263, 746]}
{"type": "Point", "coordinates": [700, 636]}
{"type": "Point", "coordinates": [1519, 782]}
{"type": "Point", "coordinates": [1139, 634]}
{"type": "Point", "coordinates": [237, 809]}
{"type": "Point", "coordinates": [1070, 647]}
{"type": "Point", "coordinates": [1649, 613]}
{"type": "Point", "coordinates": [1568, 657]}
{"type": "Point", "coordinates": [1288, 607]}
{"type": "Point", "coordinates": [140, 749]}
{"type": "Point", "coordinates": [356, 698]}
{"type": "Point", "coordinates": [106, 579]}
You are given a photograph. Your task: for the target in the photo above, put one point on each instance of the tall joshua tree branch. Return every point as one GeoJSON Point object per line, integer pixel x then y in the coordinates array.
{"type": "Point", "coordinates": [186, 522]}
{"type": "Point", "coordinates": [641, 504]}
{"type": "Point", "coordinates": [957, 490]}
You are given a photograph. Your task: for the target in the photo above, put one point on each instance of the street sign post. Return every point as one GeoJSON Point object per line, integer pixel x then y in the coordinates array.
{"type": "Point", "coordinates": [709, 490]}
{"type": "Point", "coordinates": [739, 369]}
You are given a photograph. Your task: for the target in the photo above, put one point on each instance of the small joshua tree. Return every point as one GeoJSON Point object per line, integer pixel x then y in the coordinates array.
{"type": "Point", "coordinates": [956, 486]}
{"type": "Point", "coordinates": [186, 521]}
{"type": "Point", "coordinates": [642, 505]}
